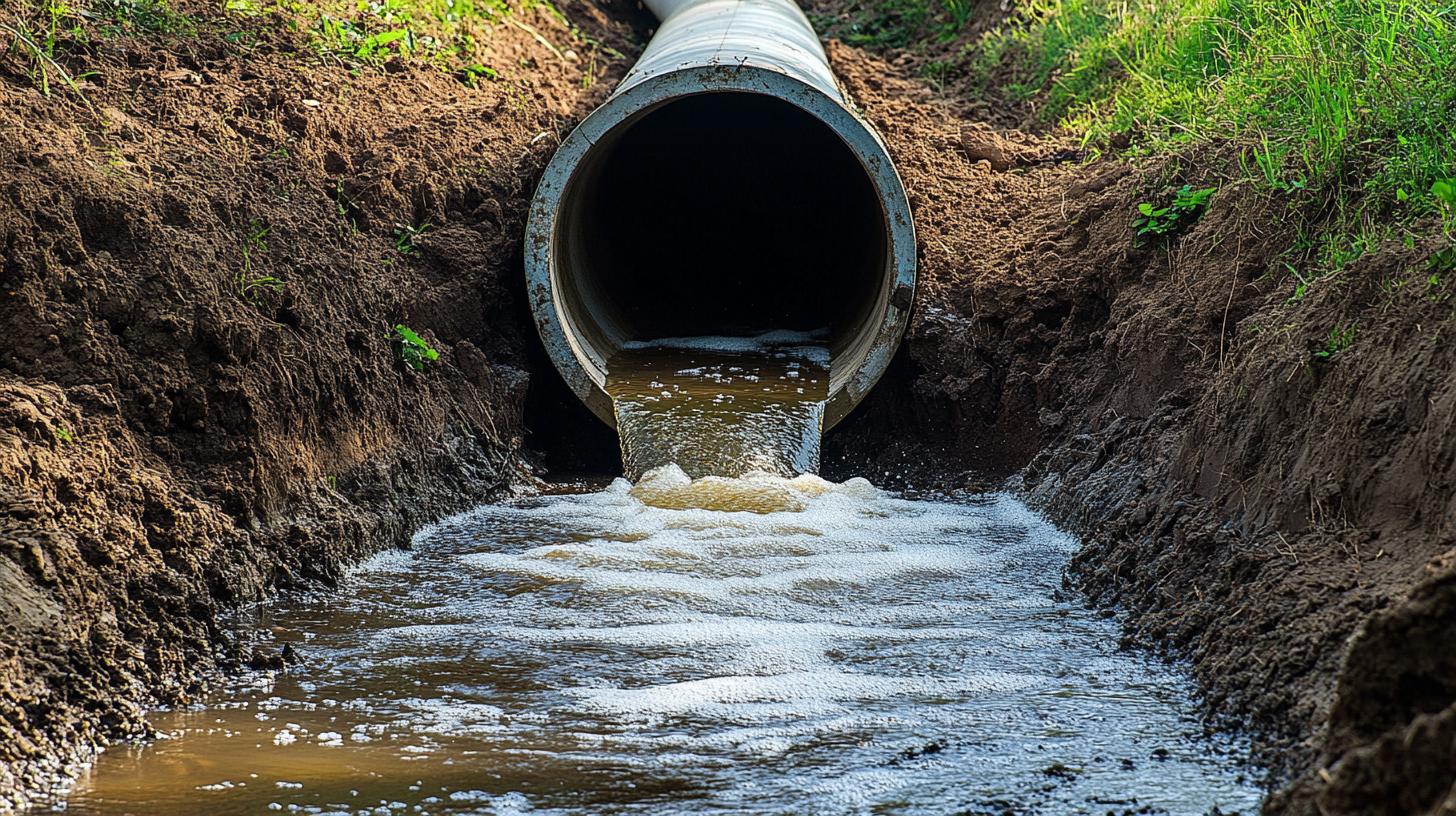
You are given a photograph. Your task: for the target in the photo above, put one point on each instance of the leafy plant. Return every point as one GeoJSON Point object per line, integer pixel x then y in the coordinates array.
{"type": "Point", "coordinates": [411, 349]}
{"type": "Point", "coordinates": [474, 73]}
{"type": "Point", "coordinates": [1163, 221]}
{"type": "Point", "coordinates": [1442, 260]}
{"type": "Point", "coordinates": [1445, 192]}
{"type": "Point", "coordinates": [405, 235]}
{"type": "Point", "coordinates": [1338, 341]}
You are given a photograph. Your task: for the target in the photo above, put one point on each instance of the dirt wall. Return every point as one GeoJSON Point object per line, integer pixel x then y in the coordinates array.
{"type": "Point", "coordinates": [201, 391]}
{"type": "Point", "coordinates": [1264, 482]}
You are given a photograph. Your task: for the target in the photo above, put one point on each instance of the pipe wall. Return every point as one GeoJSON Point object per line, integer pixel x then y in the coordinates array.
{"type": "Point", "coordinates": [799, 122]}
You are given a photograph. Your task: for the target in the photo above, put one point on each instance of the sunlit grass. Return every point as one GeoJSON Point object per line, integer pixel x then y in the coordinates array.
{"type": "Point", "coordinates": [449, 33]}
{"type": "Point", "coordinates": [1353, 98]}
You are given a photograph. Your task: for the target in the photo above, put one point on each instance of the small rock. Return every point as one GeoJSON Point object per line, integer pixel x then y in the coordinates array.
{"type": "Point", "coordinates": [263, 658]}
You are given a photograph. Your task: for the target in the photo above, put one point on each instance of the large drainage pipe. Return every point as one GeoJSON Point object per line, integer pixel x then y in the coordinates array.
{"type": "Point", "coordinates": [727, 187]}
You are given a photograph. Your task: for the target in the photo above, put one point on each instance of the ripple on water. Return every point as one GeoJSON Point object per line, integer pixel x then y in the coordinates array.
{"type": "Point", "coordinates": [761, 644]}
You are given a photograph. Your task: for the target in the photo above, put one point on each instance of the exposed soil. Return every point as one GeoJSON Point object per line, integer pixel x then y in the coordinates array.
{"type": "Point", "coordinates": [174, 442]}
{"type": "Point", "coordinates": [1279, 513]}
{"type": "Point", "coordinates": [171, 446]}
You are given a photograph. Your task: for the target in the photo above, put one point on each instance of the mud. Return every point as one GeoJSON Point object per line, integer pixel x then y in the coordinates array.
{"type": "Point", "coordinates": [172, 446]}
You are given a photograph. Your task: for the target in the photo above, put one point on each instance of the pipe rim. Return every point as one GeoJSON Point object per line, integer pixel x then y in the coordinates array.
{"type": "Point", "coordinates": [579, 364]}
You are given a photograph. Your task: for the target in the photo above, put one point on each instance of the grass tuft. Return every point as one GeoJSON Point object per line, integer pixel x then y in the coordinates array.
{"type": "Point", "coordinates": [1346, 107]}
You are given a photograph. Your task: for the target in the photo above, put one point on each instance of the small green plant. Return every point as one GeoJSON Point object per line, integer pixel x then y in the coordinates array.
{"type": "Point", "coordinates": [141, 16]}
{"type": "Point", "coordinates": [40, 50]}
{"type": "Point", "coordinates": [1445, 192]}
{"type": "Point", "coordinates": [405, 235]}
{"type": "Point", "coordinates": [411, 349]}
{"type": "Point", "coordinates": [63, 434]}
{"type": "Point", "coordinates": [252, 287]}
{"type": "Point", "coordinates": [345, 207]}
{"type": "Point", "coordinates": [472, 74]}
{"type": "Point", "coordinates": [1163, 221]}
{"type": "Point", "coordinates": [1442, 260]}
{"type": "Point", "coordinates": [1301, 285]}
{"type": "Point", "coordinates": [1338, 341]}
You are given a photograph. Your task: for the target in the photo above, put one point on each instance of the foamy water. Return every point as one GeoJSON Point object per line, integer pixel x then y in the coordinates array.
{"type": "Point", "coordinates": [754, 645]}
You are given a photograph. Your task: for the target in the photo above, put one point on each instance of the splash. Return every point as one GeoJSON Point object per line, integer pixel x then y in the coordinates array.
{"type": "Point", "coordinates": [696, 646]}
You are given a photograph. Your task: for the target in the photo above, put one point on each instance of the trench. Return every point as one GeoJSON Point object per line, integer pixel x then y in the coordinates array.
{"type": "Point", "coordinates": [765, 641]}
{"type": "Point", "coordinates": [718, 630]}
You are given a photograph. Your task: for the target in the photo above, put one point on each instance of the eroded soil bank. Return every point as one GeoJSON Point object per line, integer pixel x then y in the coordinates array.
{"type": "Point", "coordinates": [202, 267]}
{"type": "Point", "coordinates": [1272, 504]}
{"type": "Point", "coordinates": [200, 399]}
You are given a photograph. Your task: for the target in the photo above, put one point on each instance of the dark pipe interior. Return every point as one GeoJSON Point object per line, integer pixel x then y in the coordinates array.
{"type": "Point", "coordinates": [724, 214]}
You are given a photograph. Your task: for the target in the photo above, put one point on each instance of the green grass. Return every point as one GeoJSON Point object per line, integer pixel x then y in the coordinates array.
{"type": "Point", "coordinates": [897, 23]}
{"type": "Point", "coordinates": [1317, 88]}
{"type": "Point", "coordinates": [1351, 101]}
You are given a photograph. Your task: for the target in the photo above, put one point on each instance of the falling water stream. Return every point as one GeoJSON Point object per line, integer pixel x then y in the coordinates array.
{"type": "Point", "coordinates": [763, 642]}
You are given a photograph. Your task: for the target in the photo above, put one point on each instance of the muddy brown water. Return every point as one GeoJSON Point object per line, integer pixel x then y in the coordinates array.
{"type": "Point", "coordinates": [715, 407]}
{"type": "Point", "coordinates": [760, 642]}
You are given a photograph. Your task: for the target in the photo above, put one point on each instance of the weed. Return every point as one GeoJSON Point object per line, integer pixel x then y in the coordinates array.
{"type": "Point", "coordinates": [1339, 340]}
{"type": "Point", "coordinates": [1301, 286]}
{"type": "Point", "coordinates": [411, 349]}
{"type": "Point", "coordinates": [448, 33]}
{"type": "Point", "coordinates": [1442, 261]}
{"type": "Point", "coordinates": [140, 17]}
{"type": "Point", "coordinates": [253, 287]}
{"type": "Point", "coordinates": [1184, 209]}
{"type": "Point", "coordinates": [405, 235]}
{"type": "Point", "coordinates": [472, 74]}
{"type": "Point", "coordinates": [62, 434]}
{"type": "Point", "coordinates": [40, 51]}
{"type": "Point", "coordinates": [1444, 191]}
{"type": "Point", "coordinates": [346, 207]}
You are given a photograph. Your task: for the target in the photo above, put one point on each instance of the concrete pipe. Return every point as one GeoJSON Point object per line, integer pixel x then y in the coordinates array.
{"type": "Point", "coordinates": [727, 188]}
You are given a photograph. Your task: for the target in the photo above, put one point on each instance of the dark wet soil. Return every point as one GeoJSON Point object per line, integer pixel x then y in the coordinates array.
{"type": "Point", "coordinates": [174, 443]}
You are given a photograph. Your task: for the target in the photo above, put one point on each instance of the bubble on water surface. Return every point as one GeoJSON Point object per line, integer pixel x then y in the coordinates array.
{"type": "Point", "coordinates": [764, 644]}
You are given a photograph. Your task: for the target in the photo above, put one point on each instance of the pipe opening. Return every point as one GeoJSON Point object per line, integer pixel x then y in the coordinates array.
{"type": "Point", "coordinates": [723, 213]}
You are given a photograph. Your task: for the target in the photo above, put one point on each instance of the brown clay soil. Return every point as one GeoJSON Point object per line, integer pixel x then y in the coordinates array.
{"type": "Point", "coordinates": [172, 446]}
{"type": "Point", "coordinates": [1284, 519]}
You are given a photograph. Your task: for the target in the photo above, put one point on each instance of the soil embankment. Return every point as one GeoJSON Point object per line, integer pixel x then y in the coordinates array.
{"type": "Point", "coordinates": [200, 396]}
{"type": "Point", "coordinates": [200, 399]}
{"type": "Point", "coordinates": [1265, 484]}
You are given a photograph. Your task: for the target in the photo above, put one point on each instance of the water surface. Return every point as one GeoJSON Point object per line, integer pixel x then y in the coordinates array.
{"type": "Point", "coordinates": [753, 645]}
{"type": "Point", "coordinates": [721, 406]}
